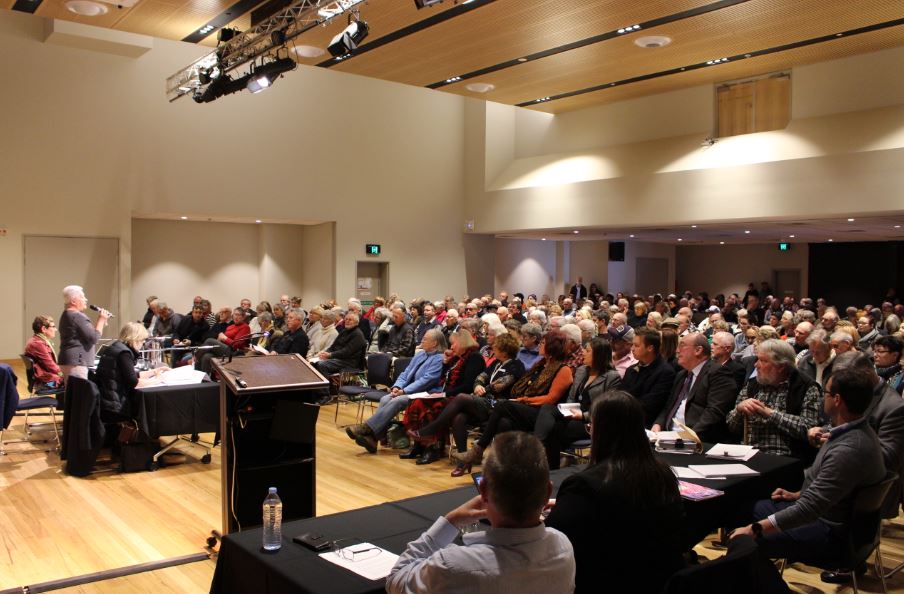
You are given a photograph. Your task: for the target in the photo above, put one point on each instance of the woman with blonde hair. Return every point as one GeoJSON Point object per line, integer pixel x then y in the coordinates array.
{"type": "Point", "coordinates": [116, 375]}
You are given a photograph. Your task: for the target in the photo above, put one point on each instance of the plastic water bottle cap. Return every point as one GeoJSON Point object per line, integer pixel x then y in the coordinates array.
{"type": "Point", "coordinates": [272, 490]}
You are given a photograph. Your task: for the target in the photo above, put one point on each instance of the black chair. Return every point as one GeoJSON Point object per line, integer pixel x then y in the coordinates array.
{"type": "Point", "coordinates": [864, 531]}
{"type": "Point", "coordinates": [378, 376]}
{"type": "Point", "coordinates": [26, 405]}
{"type": "Point", "coordinates": [399, 365]}
{"type": "Point", "coordinates": [59, 393]}
{"type": "Point", "coordinates": [741, 571]}
{"type": "Point", "coordinates": [579, 450]}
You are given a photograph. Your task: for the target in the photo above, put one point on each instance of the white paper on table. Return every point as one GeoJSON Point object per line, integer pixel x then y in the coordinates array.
{"type": "Point", "coordinates": [663, 435]}
{"type": "Point", "coordinates": [566, 408]}
{"type": "Point", "coordinates": [371, 568]}
{"type": "Point", "coordinates": [259, 349]}
{"type": "Point", "coordinates": [732, 451]}
{"type": "Point", "coordinates": [686, 473]}
{"type": "Point", "coordinates": [723, 470]}
{"type": "Point", "coordinates": [181, 376]}
{"type": "Point", "coordinates": [425, 396]}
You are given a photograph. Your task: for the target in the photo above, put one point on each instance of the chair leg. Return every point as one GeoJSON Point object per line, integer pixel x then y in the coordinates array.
{"type": "Point", "coordinates": [56, 431]}
{"type": "Point", "coordinates": [897, 568]}
{"type": "Point", "coordinates": [854, 581]}
{"type": "Point", "coordinates": [880, 567]}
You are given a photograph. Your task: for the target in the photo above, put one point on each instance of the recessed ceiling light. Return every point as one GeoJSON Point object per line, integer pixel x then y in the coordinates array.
{"type": "Point", "coordinates": [747, 232]}
{"type": "Point", "coordinates": [679, 239]}
{"type": "Point", "coordinates": [631, 236]}
{"type": "Point", "coordinates": [831, 240]}
{"type": "Point", "coordinates": [86, 7]}
{"type": "Point", "coordinates": [308, 51]}
{"type": "Point", "coordinates": [576, 231]}
{"type": "Point", "coordinates": [257, 221]}
{"type": "Point", "coordinates": [522, 59]}
{"type": "Point", "coordinates": [693, 226]}
{"type": "Point", "coordinates": [184, 218]}
{"type": "Point", "coordinates": [652, 41]}
{"type": "Point", "coordinates": [897, 226]}
{"type": "Point", "coordinates": [721, 243]}
{"type": "Point", "coordinates": [542, 239]}
{"type": "Point", "coordinates": [791, 236]}
{"type": "Point", "coordinates": [850, 220]}
{"type": "Point", "coordinates": [479, 87]}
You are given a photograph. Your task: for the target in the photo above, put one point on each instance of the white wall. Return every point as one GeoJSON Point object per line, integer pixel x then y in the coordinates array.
{"type": "Point", "coordinates": [623, 275]}
{"type": "Point", "coordinates": [89, 139]}
{"type": "Point", "coordinates": [729, 268]}
{"type": "Point", "coordinates": [318, 252]}
{"type": "Point", "coordinates": [589, 259]}
{"type": "Point", "coordinates": [525, 266]}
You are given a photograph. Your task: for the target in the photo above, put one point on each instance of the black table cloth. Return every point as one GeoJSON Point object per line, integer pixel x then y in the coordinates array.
{"type": "Point", "coordinates": [176, 410]}
{"type": "Point", "coordinates": [242, 565]}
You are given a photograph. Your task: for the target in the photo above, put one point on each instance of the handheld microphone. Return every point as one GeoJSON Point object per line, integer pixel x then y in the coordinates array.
{"type": "Point", "coordinates": [93, 307]}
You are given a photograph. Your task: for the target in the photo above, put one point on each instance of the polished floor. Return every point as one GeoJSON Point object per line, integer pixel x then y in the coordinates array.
{"type": "Point", "coordinates": [56, 526]}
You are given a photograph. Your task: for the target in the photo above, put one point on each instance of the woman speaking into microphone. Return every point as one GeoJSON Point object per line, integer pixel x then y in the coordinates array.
{"type": "Point", "coordinates": [78, 336]}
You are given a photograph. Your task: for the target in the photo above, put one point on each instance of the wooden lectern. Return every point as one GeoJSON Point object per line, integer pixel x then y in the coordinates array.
{"type": "Point", "coordinates": [268, 424]}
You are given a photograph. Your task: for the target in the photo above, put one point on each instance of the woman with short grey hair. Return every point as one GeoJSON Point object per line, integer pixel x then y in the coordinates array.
{"type": "Point", "coordinates": [78, 336]}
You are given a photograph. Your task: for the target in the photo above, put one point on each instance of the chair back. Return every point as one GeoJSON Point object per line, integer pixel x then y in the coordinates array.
{"type": "Point", "coordinates": [866, 518]}
{"type": "Point", "coordinates": [398, 366]}
{"type": "Point", "coordinates": [29, 372]}
{"type": "Point", "coordinates": [741, 571]}
{"type": "Point", "coordinates": [378, 369]}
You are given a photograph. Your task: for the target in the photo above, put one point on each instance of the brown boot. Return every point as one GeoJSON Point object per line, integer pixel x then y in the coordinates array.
{"type": "Point", "coordinates": [472, 456]}
{"type": "Point", "coordinates": [355, 431]}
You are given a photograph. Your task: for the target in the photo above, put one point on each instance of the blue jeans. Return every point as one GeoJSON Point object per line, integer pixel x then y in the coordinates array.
{"type": "Point", "coordinates": [815, 544]}
{"type": "Point", "coordinates": [386, 412]}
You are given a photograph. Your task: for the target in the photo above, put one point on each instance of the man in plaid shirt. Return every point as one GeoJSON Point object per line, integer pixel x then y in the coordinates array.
{"type": "Point", "coordinates": [776, 408]}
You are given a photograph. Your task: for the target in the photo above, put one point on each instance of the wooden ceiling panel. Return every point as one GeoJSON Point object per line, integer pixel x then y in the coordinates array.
{"type": "Point", "coordinates": [502, 31]}
{"type": "Point", "coordinates": [833, 50]}
{"type": "Point", "coordinates": [56, 9]}
{"type": "Point", "coordinates": [746, 27]}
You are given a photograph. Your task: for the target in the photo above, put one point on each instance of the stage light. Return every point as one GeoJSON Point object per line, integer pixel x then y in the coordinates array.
{"type": "Point", "coordinates": [226, 34]}
{"type": "Point", "coordinates": [348, 40]}
{"type": "Point", "coordinates": [264, 76]}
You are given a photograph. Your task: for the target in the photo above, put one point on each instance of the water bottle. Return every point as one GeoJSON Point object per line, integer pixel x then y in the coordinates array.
{"type": "Point", "coordinates": [272, 521]}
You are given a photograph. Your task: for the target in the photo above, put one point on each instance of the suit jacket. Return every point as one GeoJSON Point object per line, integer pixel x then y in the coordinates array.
{"type": "Point", "coordinates": [578, 289]}
{"type": "Point", "coordinates": [349, 347]}
{"type": "Point", "coordinates": [807, 366]}
{"type": "Point", "coordinates": [651, 384]}
{"type": "Point", "coordinates": [711, 398]}
{"type": "Point", "coordinates": [886, 416]}
{"type": "Point", "coordinates": [738, 372]}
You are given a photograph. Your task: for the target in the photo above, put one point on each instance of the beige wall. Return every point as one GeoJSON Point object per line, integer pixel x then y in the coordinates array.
{"type": "Point", "coordinates": [729, 268]}
{"type": "Point", "coordinates": [525, 266]}
{"type": "Point", "coordinates": [623, 275]}
{"type": "Point", "coordinates": [589, 259]}
{"type": "Point", "coordinates": [318, 279]}
{"type": "Point", "coordinates": [89, 140]}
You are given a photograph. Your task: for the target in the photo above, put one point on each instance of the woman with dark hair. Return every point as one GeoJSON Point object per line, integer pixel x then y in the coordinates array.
{"type": "Point", "coordinates": [462, 363]}
{"type": "Point", "coordinates": [668, 348]}
{"type": "Point", "coordinates": [546, 383]}
{"type": "Point", "coordinates": [593, 379]}
{"type": "Point", "coordinates": [628, 496]}
{"type": "Point", "coordinates": [491, 386]}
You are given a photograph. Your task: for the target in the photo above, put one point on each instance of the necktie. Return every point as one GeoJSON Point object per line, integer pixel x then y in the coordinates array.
{"type": "Point", "coordinates": [682, 396]}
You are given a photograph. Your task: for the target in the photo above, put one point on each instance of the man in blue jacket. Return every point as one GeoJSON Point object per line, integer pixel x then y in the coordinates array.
{"type": "Point", "coordinates": [422, 375]}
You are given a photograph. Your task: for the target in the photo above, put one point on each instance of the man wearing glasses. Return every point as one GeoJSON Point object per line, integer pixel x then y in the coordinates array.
{"type": "Point", "coordinates": [887, 357]}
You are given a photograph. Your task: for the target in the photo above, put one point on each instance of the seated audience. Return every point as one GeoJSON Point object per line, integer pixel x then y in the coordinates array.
{"type": "Point", "coordinates": [811, 525]}
{"type": "Point", "coordinates": [347, 350]}
{"type": "Point", "coordinates": [233, 339]}
{"type": "Point", "coordinates": [774, 410]}
{"type": "Point", "coordinates": [516, 554]}
{"type": "Point", "coordinates": [379, 321]}
{"type": "Point", "coordinates": [166, 321]}
{"type": "Point", "coordinates": [887, 354]}
{"type": "Point", "coordinates": [295, 339]}
{"type": "Point", "coordinates": [39, 347]}
{"type": "Point", "coordinates": [842, 341]}
{"type": "Point", "coordinates": [254, 323]}
{"type": "Point", "coordinates": [531, 334]}
{"type": "Point", "coordinates": [546, 383]}
{"type": "Point", "coordinates": [190, 332]}
{"type": "Point", "coordinates": [312, 325]}
{"type": "Point", "coordinates": [868, 333]}
{"type": "Point", "coordinates": [623, 514]}
{"type": "Point", "coordinates": [722, 347]}
{"type": "Point", "coordinates": [116, 375]}
{"type": "Point", "coordinates": [450, 323]}
{"type": "Point", "coordinates": [816, 363]}
{"type": "Point", "coordinates": [354, 305]}
{"type": "Point", "coordinates": [650, 379]}
{"type": "Point", "coordinates": [427, 321]}
{"type": "Point", "coordinates": [621, 337]}
{"type": "Point", "coordinates": [325, 337]}
{"type": "Point", "coordinates": [462, 363]}
{"type": "Point", "coordinates": [279, 317]}
{"type": "Point", "coordinates": [702, 394]}
{"type": "Point", "coordinates": [423, 374]}
{"type": "Point", "coordinates": [492, 385]}
{"type": "Point", "coordinates": [593, 379]}
{"type": "Point", "coordinates": [224, 318]}
{"type": "Point", "coordinates": [148, 318]}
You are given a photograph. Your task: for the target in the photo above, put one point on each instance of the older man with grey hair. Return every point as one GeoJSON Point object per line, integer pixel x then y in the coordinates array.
{"type": "Point", "coordinates": [537, 316]}
{"type": "Point", "coordinates": [347, 351]}
{"type": "Point", "coordinates": [775, 412]}
{"type": "Point", "coordinates": [166, 322]}
{"type": "Point", "coordinates": [722, 347]}
{"type": "Point", "coordinates": [450, 323]}
{"type": "Point", "coordinates": [816, 363]}
{"type": "Point", "coordinates": [588, 331]}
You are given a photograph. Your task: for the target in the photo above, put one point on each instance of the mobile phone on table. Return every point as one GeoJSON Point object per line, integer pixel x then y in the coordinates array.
{"type": "Point", "coordinates": [312, 540]}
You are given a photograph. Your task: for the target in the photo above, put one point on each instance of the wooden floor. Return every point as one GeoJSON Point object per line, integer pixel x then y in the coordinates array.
{"type": "Point", "coordinates": [56, 526]}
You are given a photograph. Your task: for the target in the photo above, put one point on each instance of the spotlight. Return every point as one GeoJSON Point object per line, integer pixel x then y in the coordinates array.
{"type": "Point", "coordinates": [348, 41]}
{"type": "Point", "coordinates": [263, 76]}
{"type": "Point", "coordinates": [419, 4]}
{"type": "Point", "coordinates": [226, 34]}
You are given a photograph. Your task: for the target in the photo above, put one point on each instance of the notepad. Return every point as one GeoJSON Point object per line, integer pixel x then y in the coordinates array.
{"type": "Point", "coordinates": [372, 567]}
{"type": "Point", "coordinates": [713, 470]}
{"type": "Point", "coordinates": [566, 408]}
{"type": "Point", "coordinates": [425, 396]}
{"type": "Point", "coordinates": [730, 451]}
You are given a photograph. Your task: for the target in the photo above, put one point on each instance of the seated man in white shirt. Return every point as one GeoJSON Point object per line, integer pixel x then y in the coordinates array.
{"type": "Point", "coordinates": [517, 554]}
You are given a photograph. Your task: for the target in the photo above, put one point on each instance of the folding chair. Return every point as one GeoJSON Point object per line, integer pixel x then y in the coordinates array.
{"type": "Point", "coordinates": [578, 450]}
{"type": "Point", "coordinates": [29, 404]}
{"type": "Point", "coordinates": [378, 375]}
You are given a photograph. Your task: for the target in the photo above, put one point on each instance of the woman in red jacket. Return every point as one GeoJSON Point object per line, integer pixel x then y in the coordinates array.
{"type": "Point", "coordinates": [233, 338]}
{"type": "Point", "coordinates": [40, 349]}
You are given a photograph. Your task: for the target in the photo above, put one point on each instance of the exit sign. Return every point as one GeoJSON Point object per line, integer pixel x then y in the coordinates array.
{"type": "Point", "coordinates": [784, 247]}
{"type": "Point", "coordinates": [372, 249]}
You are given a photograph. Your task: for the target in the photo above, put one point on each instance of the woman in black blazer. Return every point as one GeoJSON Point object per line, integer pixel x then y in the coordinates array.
{"type": "Point", "coordinates": [623, 514]}
{"type": "Point", "coordinates": [593, 379]}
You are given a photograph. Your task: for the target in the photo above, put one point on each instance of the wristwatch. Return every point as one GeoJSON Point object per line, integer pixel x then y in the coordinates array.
{"type": "Point", "coordinates": [757, 529]}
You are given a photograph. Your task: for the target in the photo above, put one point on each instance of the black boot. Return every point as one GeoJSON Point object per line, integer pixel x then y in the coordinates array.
{"type": "Point", "coordinates": [414, 452]}
{"type": "Point", "coordinates": [430, 455]}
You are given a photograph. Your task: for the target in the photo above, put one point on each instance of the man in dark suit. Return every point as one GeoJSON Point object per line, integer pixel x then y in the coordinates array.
{"type": "Point", "coordinates": [722, 347]}
{"type": "Point", "coordinates": [650, 379]}
{"type": "Point", "coordinates": [703, 391]}
{"type": "Point", "coordinates": [578, 290]}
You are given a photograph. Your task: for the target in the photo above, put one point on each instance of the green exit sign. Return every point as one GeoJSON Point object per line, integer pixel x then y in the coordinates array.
{"type": "Point", "coordinates": [372, 249]}
{"type": "Point", "coordinates": [784, 247]}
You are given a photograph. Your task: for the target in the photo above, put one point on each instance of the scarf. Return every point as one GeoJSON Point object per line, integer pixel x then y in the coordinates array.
{"type": "Point", "coordinates": [538, 380]}
{"type": "Point", "coordinates": [454, 372]}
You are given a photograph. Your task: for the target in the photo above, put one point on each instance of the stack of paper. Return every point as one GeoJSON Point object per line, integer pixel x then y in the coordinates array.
{"type": "Point", "coordinates": [722, 470]}
{"type": "Point", "coordinates": [181, 376]}
{"type": "Point", "coordinates": [697, 492]}
{"type": "Point", "coordinates": [368, 561]}
{"type": "Point", "coordinates": [732, 451]}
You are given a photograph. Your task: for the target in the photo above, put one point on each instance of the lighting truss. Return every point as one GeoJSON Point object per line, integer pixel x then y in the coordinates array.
{"type": "Point", "coordinates": [245, 47]}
